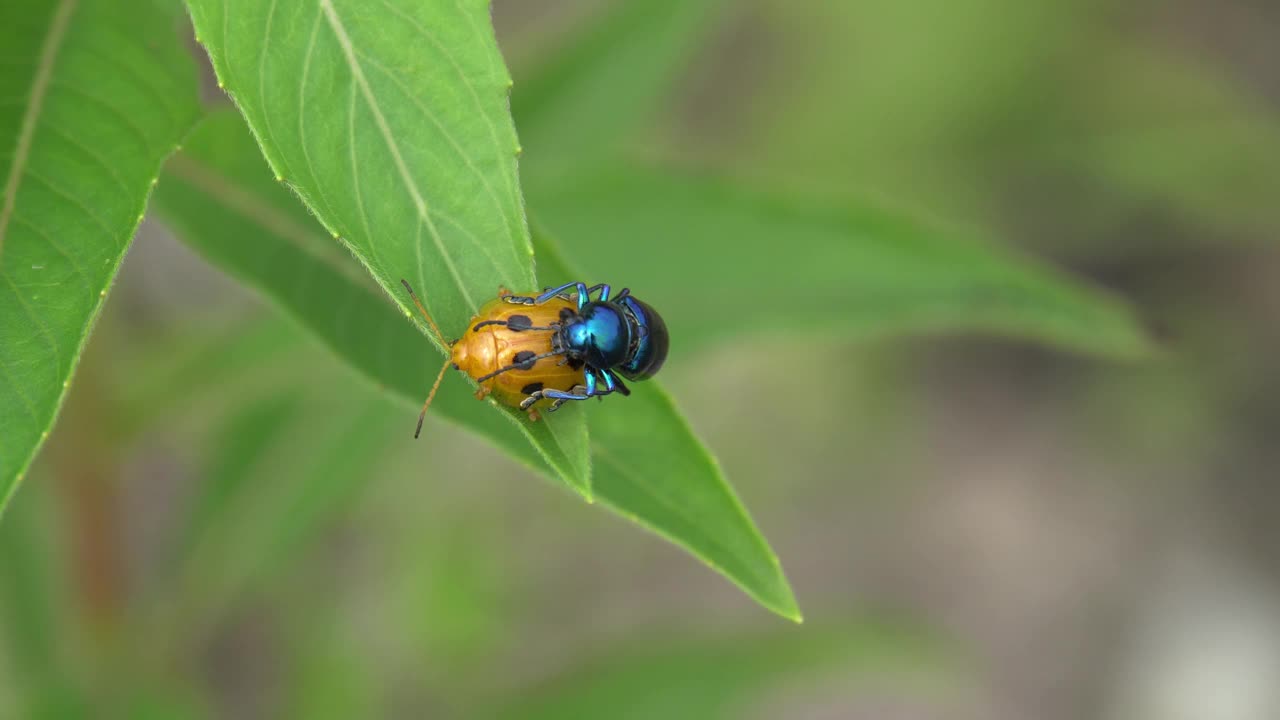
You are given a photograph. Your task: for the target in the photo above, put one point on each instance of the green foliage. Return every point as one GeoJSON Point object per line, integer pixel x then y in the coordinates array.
{"type": "Point", "coordinates": [725, 676]}
{"type": "Point", "coordinates": [96, 94]}
{"type": "Point", "coordinates": [220, 197]}
{"type": "Point", "coordinates": [668, 482]}
{"type": "Point", "coordinates": [651, 469]}
{"type": "Point", "coordinates": [815, 269]}
{"type": "Point", "coordinates": [416, 95]}
{"type": "Point", "coordinates": [272, 511]}
{"type": "Point", "coordinates": [427, 189]}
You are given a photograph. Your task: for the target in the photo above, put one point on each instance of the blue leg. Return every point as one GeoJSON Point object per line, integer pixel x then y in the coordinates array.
{"type": "Point", "coordinates": [592, 389]}
{"type": "Point", "coordinates": [583, 292]}
{"type": "Point", "coordinates": [613, 383]}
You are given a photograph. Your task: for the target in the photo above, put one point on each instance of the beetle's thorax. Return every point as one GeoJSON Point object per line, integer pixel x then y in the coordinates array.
{"type": "Point", "coordinates": [476, 353]}
{"type": "Point", "coordinates": [599, 334]}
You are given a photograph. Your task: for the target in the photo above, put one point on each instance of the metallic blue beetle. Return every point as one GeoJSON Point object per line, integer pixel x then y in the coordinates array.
{"type": "Point", "coordinates": [608, 336]}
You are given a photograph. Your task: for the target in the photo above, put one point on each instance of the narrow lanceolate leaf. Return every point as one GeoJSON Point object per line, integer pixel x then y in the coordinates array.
{"type": "Point", "coordinates": [94, 94]}
{"type": "Point", "coordinates": [219, 197]}
{"type": "Point", "coordinates": [651, 469]}
{"type": "Point", "coordinates": [389, 118]}
{"type": "Point", "coordinates": [737, 260]}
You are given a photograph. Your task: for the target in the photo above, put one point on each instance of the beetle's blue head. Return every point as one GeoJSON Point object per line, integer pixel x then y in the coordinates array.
{"type": "Point", "coordinates": [599, 335]}
{"type": "Point", "coordinates": [625, 335]}
{"type": "Point", "coordinates": [648, 348]}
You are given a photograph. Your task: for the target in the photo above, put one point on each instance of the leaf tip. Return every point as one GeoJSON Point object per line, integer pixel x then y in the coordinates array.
{"type": "Point", "coordinates": [784, 602]}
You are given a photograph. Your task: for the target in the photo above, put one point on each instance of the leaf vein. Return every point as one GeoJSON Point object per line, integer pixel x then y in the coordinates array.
{"type": "Point", "coordinates": [35, 104]}
{"type": "Point", "coordinates": [39, 323]}
{"type": "Point", "coordinates": [124, 120]}
{"type": "Point", "coordinates": [72, 200]}
{"type": "Point", "coordinates": [88, 286]}
{"type": "Point", "coordinates": [353, 64]}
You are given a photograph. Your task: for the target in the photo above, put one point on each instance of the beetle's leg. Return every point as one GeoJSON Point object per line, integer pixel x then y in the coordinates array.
{"type": "Point", "coordinates": [584, 294]}
{"type": "Point", "coordinates": [613, 383]}
{"type": "Point", "coordinates": [548, 294]}
{"type": "Point", "coordinates": [591, 389]}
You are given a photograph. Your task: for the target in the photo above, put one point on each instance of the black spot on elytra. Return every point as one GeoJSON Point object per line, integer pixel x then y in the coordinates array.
{"type": "Point", "coordinates": [524, 359]}
{"type": "Point", "coordinates": [576, 363]}
{"type": "Point", "coordinates": [455, 366]}
{"type": "Point", "coordinates": [519, 322]}
{"type": "Point", "coordinates": [531, 388]}
{"type": "Point", "coordinates": [565, 314]}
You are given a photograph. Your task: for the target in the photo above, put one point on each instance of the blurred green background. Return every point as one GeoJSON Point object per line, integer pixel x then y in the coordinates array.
{"type": "Point", "coordinates": [227, 523]}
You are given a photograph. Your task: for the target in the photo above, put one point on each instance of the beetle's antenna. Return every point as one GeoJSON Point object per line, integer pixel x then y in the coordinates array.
{"type": "Point", "coordinates": [425, 315]}
{"type": "Point", "coordinates": [430, 396]}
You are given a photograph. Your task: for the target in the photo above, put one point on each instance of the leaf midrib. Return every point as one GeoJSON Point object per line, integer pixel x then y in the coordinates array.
{"type": "Point", "coordinates": [420, 205]}
{"type": "Point", "coordinates": [39, 89]}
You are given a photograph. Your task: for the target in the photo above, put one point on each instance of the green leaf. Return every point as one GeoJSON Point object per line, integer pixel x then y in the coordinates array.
{"type": "Point", "coordinates": [732, 261]}
{"type": "Point", "coordinates": [238, 448]}
{"type": "Point", "coordinates": [230, 211]}
{"type": "Point", "coordinates": [220, 198]}
{"type": "Point", "coordinates": [1159, 129]}
{"type": "Point", "coordinates": [35, 608]}
{"type": "Point", "coordinates": [651, 469]}
{"type": "Point", "coordinates": [93, 96]}
{"type": "Point", "coordinates": [724, 677]}
{"type": "Point", "coordinates": [389, 118]}
{"type": "Point", "coordinates": [595, 93]}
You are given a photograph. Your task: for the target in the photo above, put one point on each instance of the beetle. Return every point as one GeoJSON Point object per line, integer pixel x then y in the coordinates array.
{"type": "Point", "coordinates": [612, 335]}
{"type": "Point", "coordinates": [508, 351]}
{"type": "Point", "coordinates": [511, 346]}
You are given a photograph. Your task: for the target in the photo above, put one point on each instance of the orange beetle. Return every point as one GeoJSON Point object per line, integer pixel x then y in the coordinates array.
{"type": "Point", "coordinates": [507, 350]}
